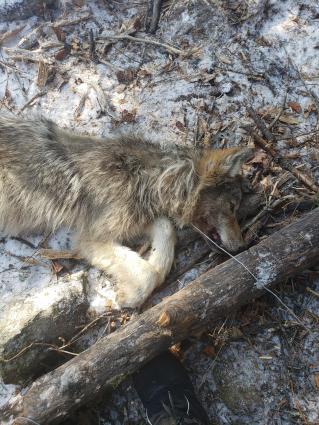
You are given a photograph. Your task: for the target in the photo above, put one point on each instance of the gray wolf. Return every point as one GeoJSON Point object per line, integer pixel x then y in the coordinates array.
{"type": "Point", "coordinates": [109, 191]}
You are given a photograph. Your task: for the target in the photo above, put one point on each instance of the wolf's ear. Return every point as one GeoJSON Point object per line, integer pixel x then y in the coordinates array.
{"type": "Point", "coordinates": [222, 162]}
{"type": "Point", "coordinates": [231, 164]}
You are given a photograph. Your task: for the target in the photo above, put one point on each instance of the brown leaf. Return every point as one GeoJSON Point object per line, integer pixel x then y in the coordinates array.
{"type": "Point", "coordinates": [289, 119]}
{"type": "Point", "coordinates": [180, 126]}
{"type": "Point", "coordinates": [236, 332]}
{"type": "Point", "coordinates": [294, 106]}
{"type": "Point", "coordinates": [311, 107]}
{"type": "Point", "coordinates": [56, 267]}
{"type": "Point", "coordinates": [61, 54]}
{"type": "Point", "coordinates": [127, 116]}
{"type": "Point", "coordinates": [210, 351]}
{"type": "Point", "coordinates": [126, 76]}
{"type": "Point", "coordinates": [60, 35]}
{"type": "Point", "coordinates": [260, 158]}
{"type": "Point", "coordinates": [266, 183]}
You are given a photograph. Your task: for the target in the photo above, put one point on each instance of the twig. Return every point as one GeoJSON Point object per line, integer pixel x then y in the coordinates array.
{"type": "Point", "coordinates": [60, 349]}
{"type": "Point", "coordinates": [273, 122]}
{"type": "Point", "coordinates": [261, 125]}
{"type": "Point", "coordinates": [92, 45]}
{"type": "Point", "coordinates": [52, 254]}
{"type": "Point", "coordinates": [10, 34]}
{"type": "Point", "coordinates": [27, 55]}
{"type": "Point", "coordinates": [303, 178]}
{"type": "Point", "coordinates": [65, 22]}
{"type": "Point", "coordinates": [13, 68]}
{"type": "Point", "coordinates": [268, 208]}
{"type": "Point", "coordinates": [34, 344]}
{"type": "Point", "coordinates": [168, 47]}
{"type": "Point", "coordinates": [36, 96]}
{"type": "Point", "coordinates": [156, 13]}
{"type": "Point", "coordinates": [311, 291]}
{"type": "Point", "coordinates": [310, 92]}
{"type": "Point", "coordinates": [308, 133]}
{"type": "Point", "coordinates": [268, 147]}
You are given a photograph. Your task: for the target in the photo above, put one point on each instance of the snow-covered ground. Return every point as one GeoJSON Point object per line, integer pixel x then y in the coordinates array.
{"type": "Point", "coordinates": [243, 53]}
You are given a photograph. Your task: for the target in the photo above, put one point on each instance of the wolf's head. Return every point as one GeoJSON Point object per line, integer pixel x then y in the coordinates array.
{"type": "Point", "coordinates": [220, 194]}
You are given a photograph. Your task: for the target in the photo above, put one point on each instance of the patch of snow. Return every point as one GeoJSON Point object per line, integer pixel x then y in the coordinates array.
{"type": "Point", "coordinates": [265, 273]}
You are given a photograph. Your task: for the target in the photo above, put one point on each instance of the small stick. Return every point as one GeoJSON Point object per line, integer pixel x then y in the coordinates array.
{"type": "Point", "coordinates": [10, 34]}
{"type": "Point", "coordinates": [306, 180]}
{"type": "Point", "coordinates": [92, 45]}
{"type": "Point", "coordinates": [311, 291]}
{"type": "Point", "coordinates": [168, 47]}
{"type": "Point", "coordinates": [65, 22]}
{"type": "Point", "coordinates": [156, 13]}
{"type": "Point", "coordinates": [268, 208]}
{"type": "Point", "coordinates": [279, 113]}
{"type": "Point", "coordinates": [52, 254]}
{"type": "Point", "coordinates": [36, 96]}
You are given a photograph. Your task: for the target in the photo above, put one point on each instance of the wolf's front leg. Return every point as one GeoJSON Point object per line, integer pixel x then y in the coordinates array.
{"type": "Point", "coordinates": [136, 277]}
{"type": "Point", "coordinates": [163, 240]}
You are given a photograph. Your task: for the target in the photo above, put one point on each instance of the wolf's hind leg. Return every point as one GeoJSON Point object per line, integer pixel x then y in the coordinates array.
{"type": "Point", "coordinates": [136, 278]}
{"type": "Point", "coordinates": [163, 244]}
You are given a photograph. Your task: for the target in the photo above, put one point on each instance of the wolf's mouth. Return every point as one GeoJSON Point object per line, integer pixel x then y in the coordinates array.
{"type": "Point", "coordinates": [214, 235]}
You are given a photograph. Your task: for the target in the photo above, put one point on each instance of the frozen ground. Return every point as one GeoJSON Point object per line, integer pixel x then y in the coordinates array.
{"type": "Point", "coordinates": [259, 53]}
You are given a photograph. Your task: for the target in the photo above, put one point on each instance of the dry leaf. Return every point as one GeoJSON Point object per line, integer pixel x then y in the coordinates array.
{"type": "Point", "coordinates": [236, 333]}
{"type": "Point", "coordinates": [294, 106]}
{"type": "Point", "coordinates": [310, 108]}
{"type": "Point", "coordinates": [289, 119]}
{"type": "Point", "coordinates": [127, 116]}
{"type": "Point", "coordinates": [56, 267]}
{"type": "Point", "coordinates": [210, 351]}
{"type": "Point", "coordinates": [317, 380]}
{"type": "Point", "coordinates": [266, 183]}
{"type": "Point", "coordinates": [260, 158]}
{"type": "Point", "coordinates": [61, 54]}
{"type": "Point", "coordinates": [225, 59]}
{"type": "Point", "coordinates": [60, 35]}
{"type": "Point", "coordinates": [126, 77]}
{"type": "Point", "coordinates": [180, 126]}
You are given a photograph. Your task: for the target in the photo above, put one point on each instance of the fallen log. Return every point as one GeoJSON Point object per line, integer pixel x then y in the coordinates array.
{"type": "Point", "coordinates": [213, 295]}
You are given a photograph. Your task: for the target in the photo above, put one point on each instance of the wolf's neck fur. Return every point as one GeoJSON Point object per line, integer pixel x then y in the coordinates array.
{"type": "Point", "coordinates": [178, 188]}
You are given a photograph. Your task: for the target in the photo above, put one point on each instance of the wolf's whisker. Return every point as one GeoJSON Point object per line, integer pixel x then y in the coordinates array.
{"type": "Point", "coordinates": [251, 273]}
{"type": "Point", "coordinates": [224, 250]}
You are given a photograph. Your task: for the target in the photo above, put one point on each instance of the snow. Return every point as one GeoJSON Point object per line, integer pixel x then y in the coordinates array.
{"type": "Point", "coordinates": [265, 273]}
{"type": "Point", "coordinates": [166, 92]}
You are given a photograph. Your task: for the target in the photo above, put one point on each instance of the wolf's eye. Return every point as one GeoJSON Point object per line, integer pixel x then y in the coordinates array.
{"type": "Point", "coordinates": [232, 207]}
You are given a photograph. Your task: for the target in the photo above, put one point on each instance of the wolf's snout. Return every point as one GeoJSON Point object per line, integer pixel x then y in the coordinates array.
{"type": "Point", "coordinates": [231, 236]}
{"type": "Point", "coordinates": [235, 246]}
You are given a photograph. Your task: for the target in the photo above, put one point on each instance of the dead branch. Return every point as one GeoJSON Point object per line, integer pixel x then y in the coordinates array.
{"type": "Point", "coordinates": [33, 98]}
{"type": "Point", "coordinates": [269, 148]}
{"type": "Point", "coordinates": [168, 47]}
{"type": "Point", "coordinates": [213, 295]}
{"type": "Point", "coordinates": [156, 13]}
{"type": "Point", "coordinates": [52, 254]}
{"type": "Point", "coordinates": [10, 34]}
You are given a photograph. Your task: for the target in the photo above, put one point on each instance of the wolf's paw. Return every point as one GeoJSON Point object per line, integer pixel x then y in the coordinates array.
{"type": "Point", "coordinates": [134, 291]}
{"type": "Point", "coordinates": [129, 298]}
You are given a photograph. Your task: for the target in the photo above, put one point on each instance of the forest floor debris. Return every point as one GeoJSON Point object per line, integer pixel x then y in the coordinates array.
{"type": "Point", "coordinates": [261, 54]}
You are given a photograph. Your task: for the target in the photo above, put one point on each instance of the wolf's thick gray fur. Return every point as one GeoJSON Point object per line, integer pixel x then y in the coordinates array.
{"type": "Point", "coordinates": [109, 191]}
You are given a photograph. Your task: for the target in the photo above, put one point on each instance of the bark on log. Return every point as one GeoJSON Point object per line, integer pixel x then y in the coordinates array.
{"type": "Point", "coordinates": [216, 293]}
